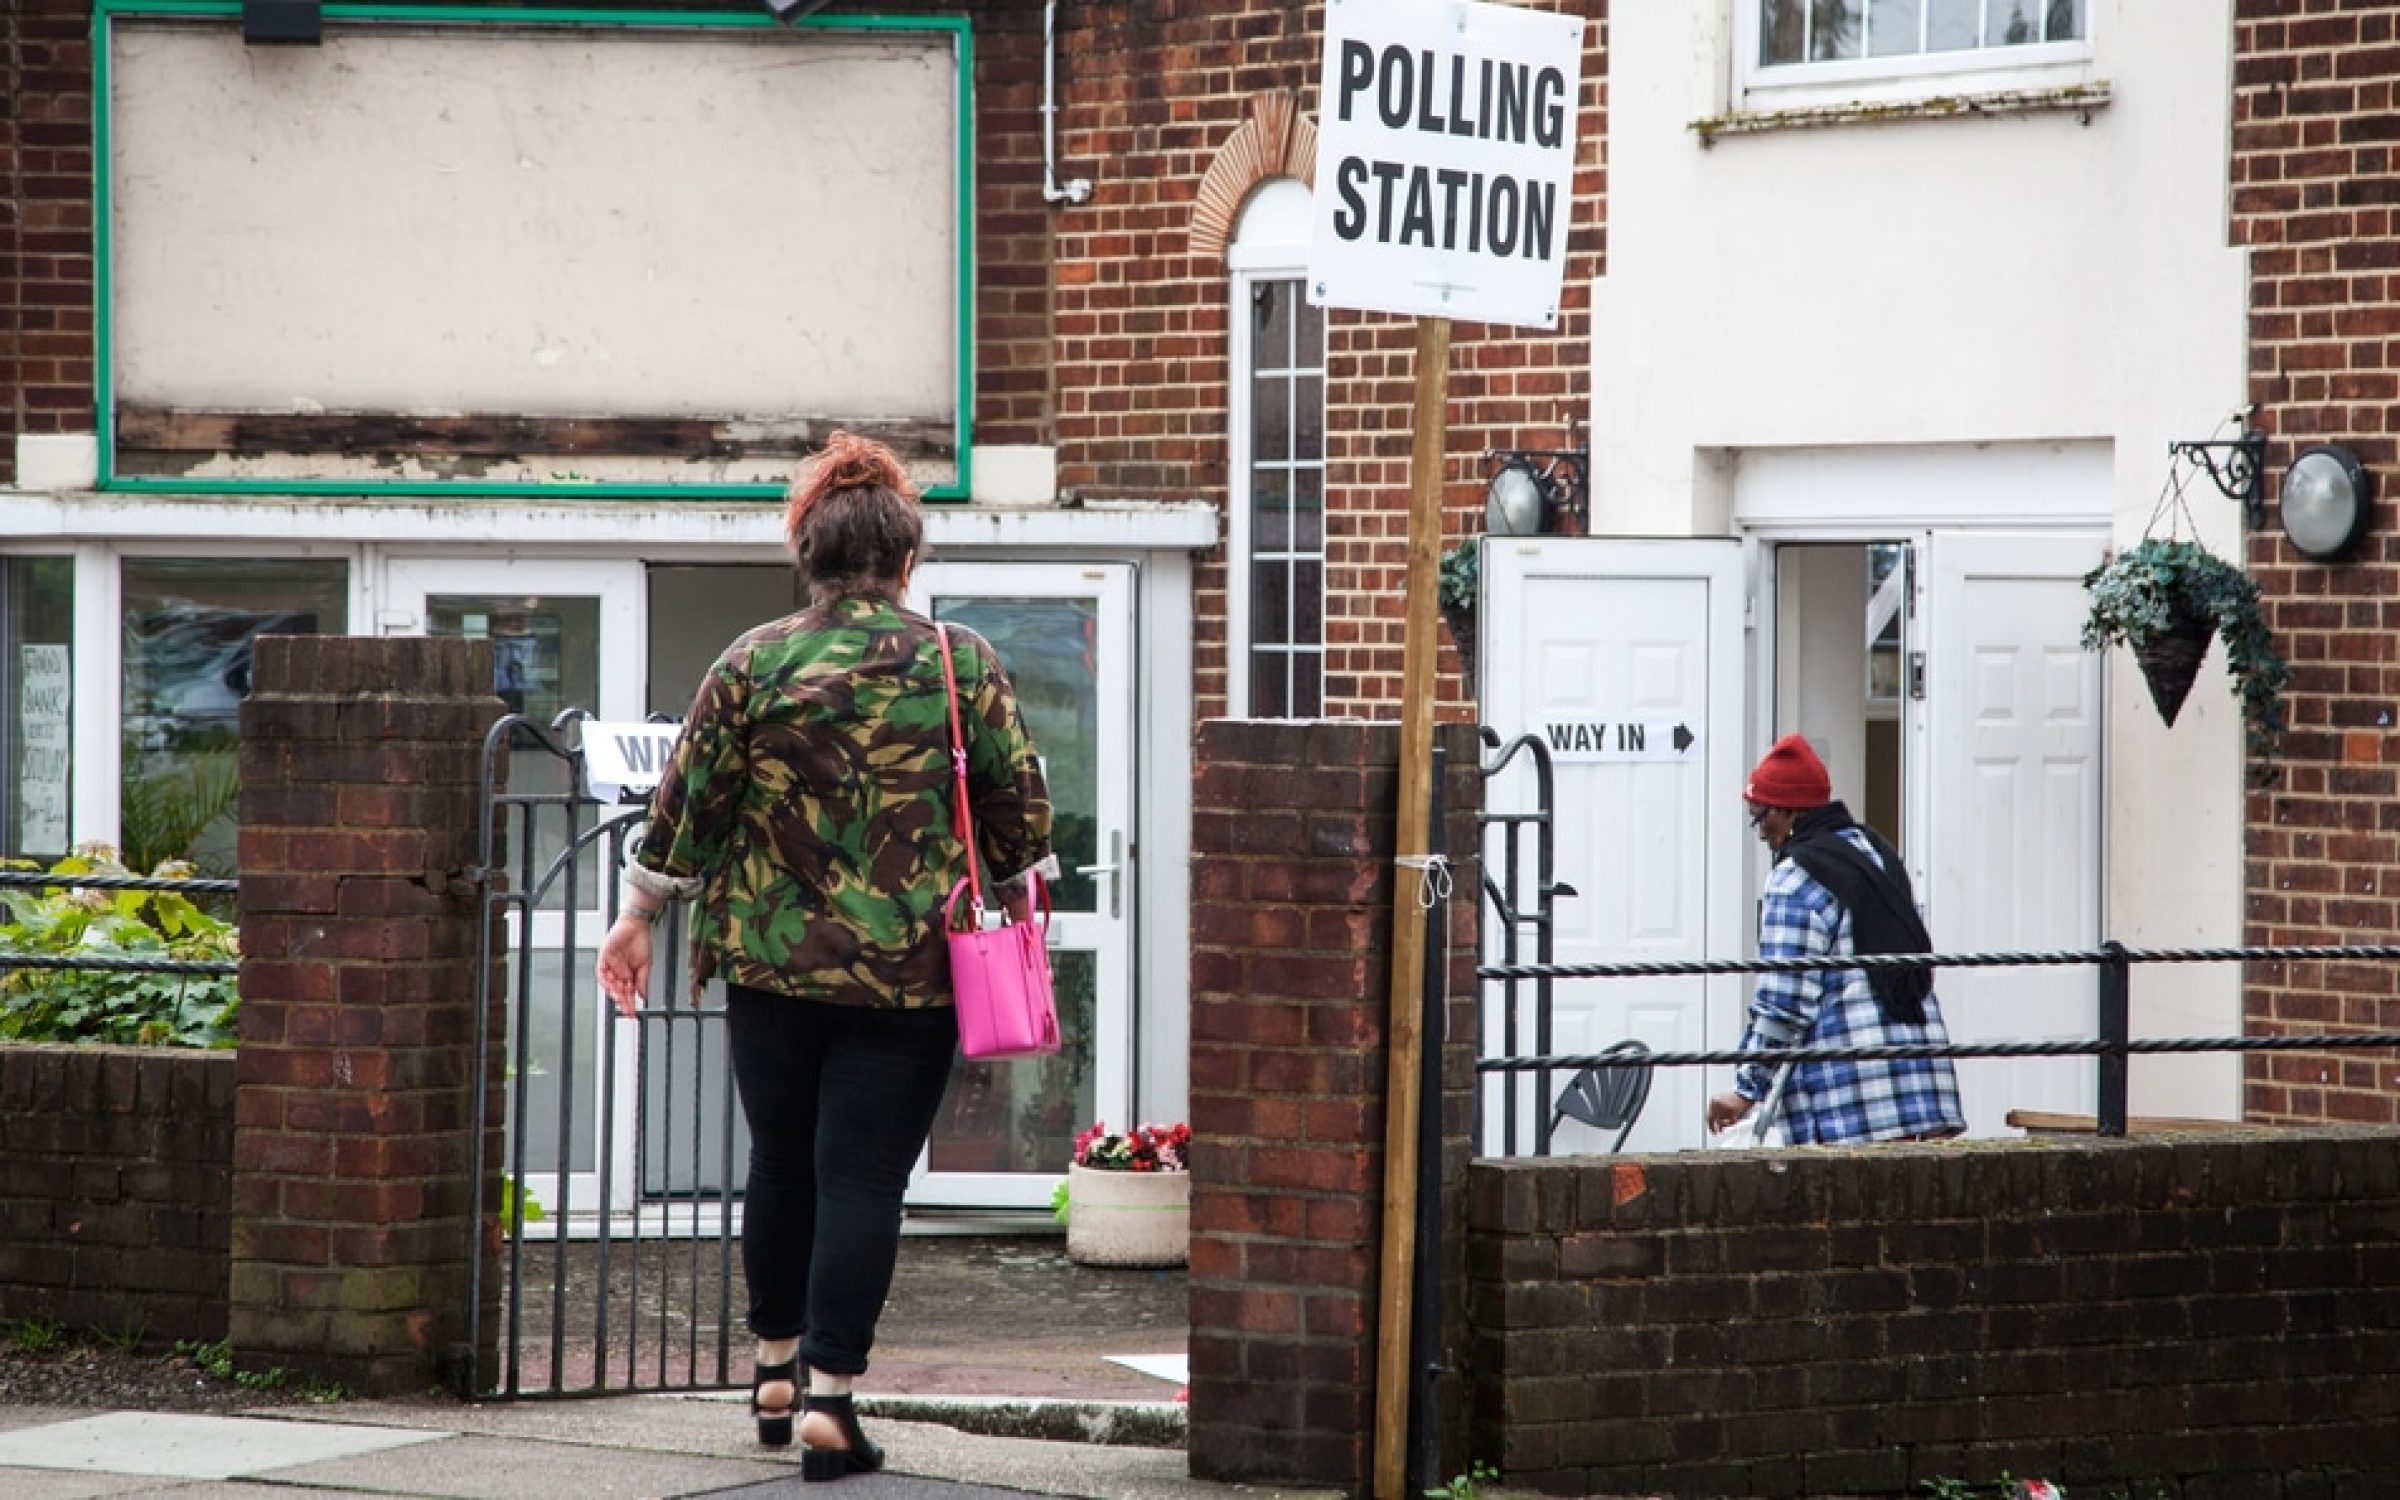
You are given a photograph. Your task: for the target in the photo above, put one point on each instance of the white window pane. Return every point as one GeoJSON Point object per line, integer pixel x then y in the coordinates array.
{"type": "Point", "coordinates": [1270, 685]}
{"type": "Point", "coordinates": [1308, 509]}
{"type": "Point", "coordinates": [188, 627]}
{"type": "Point", "coordinates": [1271, 419]}
{"type": "Point", "coordinates": [2011, 23]}
{"type": "Point", "coordinates": [1270, 511]}
{"type": "Point", "coordinates": [1835, 29]}
{"type": "Point", "coordinates": [1950, 24]}
{"type": "Point", "coordinates": [1271, 324]}
{"type": "Point", "coordinates": [1894, 27]}
{"type": "Point", "coordinates": [1782, 32]}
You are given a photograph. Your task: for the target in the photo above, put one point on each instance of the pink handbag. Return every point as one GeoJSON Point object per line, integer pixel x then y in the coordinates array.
{"type": "Point", "coordinates": [999, 973]}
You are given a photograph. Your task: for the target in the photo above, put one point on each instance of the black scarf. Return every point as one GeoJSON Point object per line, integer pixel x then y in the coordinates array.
{"type": "Point", "coordinates": [1882, 906]}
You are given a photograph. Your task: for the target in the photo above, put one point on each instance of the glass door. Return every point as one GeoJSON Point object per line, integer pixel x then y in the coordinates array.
{"type": "Point", "coordinates": [565, 635]}
{"type": "Point", "coordinates": [1064, 633]}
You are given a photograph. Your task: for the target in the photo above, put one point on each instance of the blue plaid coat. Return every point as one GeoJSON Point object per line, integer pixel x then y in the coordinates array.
{"type": "Point", "coordinates": [1832, 1102]}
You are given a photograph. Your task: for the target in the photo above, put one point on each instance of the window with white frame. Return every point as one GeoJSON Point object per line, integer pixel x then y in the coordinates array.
{"type": "Point", "coordinates": [1275, 586]}
{"type": "Point", "coordinates": [1898, 44]}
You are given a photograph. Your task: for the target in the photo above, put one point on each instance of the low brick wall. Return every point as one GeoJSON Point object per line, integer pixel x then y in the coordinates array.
{"type": "Point", "coordinates": [116, 1188]}
{"type": "Point", "coordinates": [2197, 1317]}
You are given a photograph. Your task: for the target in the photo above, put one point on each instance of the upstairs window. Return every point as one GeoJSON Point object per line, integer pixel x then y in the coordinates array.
{"type": "Point", "coordinates": [1831, 48]}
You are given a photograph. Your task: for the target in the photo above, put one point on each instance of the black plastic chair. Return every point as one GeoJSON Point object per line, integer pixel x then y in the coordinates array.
{"type": "Point", "coordinates": [1608, 1096]}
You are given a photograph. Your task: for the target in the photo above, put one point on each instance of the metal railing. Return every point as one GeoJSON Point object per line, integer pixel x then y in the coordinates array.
{"type": "Point", "coordinates": [110, 963]}
{"type": "Point", "coordinates": [2113, 1045]}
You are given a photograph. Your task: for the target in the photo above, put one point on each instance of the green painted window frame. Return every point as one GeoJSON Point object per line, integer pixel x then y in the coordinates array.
{"type": "Point", "coordinates": [106, 12]}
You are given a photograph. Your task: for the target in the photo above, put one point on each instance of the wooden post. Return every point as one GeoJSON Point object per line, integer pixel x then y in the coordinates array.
{"type": "Point", "coordinates": [1404, 1041]}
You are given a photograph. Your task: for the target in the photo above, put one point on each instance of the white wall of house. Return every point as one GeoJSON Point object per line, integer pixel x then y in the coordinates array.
{"type": "Point", "coordinates": [2035, 276]}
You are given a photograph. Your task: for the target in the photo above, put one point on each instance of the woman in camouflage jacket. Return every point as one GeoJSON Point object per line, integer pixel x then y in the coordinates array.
{"type": "Point", "coordinates": [807, 808]}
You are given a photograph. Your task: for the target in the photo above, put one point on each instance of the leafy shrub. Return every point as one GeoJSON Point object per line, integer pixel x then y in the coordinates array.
{"type": "Point", "coordinates": [87, 1005]}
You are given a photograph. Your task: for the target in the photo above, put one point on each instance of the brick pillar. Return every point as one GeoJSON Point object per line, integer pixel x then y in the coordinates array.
{"type": "Point", "coordinates": [353, 1167]}
{"type": "Point", "coordinates": [1292, 831]}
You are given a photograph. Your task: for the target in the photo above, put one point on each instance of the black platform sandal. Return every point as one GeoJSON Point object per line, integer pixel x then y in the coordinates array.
{"type": "Point", "coordinates": [775, 1427]}
{"type": "Point", "coordinates": [860, 1457]}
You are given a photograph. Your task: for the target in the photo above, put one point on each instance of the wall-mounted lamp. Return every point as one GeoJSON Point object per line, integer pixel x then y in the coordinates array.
{"type": "Point", "coordinates": [2326, 496]}
{"type": "Point", "coordinates": [283, 23]}
{"type": "Point", "coordinates": [1533, 487]}
{"type": "Point", "coordinates": [2234, 463]}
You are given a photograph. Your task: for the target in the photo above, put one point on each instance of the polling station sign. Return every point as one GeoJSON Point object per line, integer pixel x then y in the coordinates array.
{"type": "Point", "coordinates": [1445, 159]}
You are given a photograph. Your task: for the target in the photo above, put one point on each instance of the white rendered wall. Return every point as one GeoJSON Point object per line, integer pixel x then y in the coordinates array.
{"type": "Point", "coordinates": [2030, 278]}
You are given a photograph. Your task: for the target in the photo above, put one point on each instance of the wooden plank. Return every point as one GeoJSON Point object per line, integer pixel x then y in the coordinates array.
{"type": "Point", "coordinates": [1403, 1035]}
{"type": "Point", "coordinates": [490, 435]}
{"type": "Point", "coordinates": [2044, 1122]}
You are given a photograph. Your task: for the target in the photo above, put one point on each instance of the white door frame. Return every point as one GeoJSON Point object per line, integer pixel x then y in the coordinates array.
{"type": "Point", "coordinates": [618, 583]}
{"type": "Point", "coordinates": [1106, 933]}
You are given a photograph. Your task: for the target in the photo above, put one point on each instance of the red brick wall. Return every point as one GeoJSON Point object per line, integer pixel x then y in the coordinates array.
{"type": "Point", "coordinates": [1153, 89]}
{"type": "Point", "coordinates": [45, 221]}
{"type": "Point", "coordinates": [1292, 829]}
{"type": "Point", "coordinates": [356, 1167]}
{"type": "Point", "coordinates": [2204, 1316]}
{"type": "Point", "coordinates": [116, 1188]}
{"type": "Point", "coordinates": [2315, 122]}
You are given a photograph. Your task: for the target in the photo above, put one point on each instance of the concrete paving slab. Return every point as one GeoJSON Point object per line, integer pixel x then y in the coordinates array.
{"type": "Point", "coordinates": [484, 1468]}
{"type": "Point", "coordinates": [231, 1489]}
{"type": "Point", "coordinates": [59, 1484]}
{"type": "Point", "coordinates": [181, 1446]}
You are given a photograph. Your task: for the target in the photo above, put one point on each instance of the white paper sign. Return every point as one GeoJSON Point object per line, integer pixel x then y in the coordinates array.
{"type": "Point", "coordinates": [619, 759]}
{"type": "Point", "coordinates": [1445, 159]}
{"type": "Point", "coordinates": [1585, 738]}
{"type": "Point", "coordinates": [44, 694]}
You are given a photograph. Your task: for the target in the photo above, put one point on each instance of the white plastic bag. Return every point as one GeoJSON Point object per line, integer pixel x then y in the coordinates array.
{"type": "Point", "coordinates": [1763, 1126]}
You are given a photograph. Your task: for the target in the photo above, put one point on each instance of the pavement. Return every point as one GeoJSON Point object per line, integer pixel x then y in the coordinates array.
{"type": "Point", "coordinates": [1001, 1369]}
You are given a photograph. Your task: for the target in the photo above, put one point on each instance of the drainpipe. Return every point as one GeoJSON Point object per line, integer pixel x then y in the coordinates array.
{"type": "Point", "coordinates": [1054, 191]}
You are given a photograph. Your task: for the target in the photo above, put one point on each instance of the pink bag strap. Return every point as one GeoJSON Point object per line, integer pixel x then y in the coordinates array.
{"type": "Point", "coordinates": [961, 820]}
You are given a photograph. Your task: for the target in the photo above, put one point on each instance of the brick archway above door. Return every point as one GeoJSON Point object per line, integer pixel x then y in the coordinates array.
{"type": "Point", "coordinates": [1276, 141]}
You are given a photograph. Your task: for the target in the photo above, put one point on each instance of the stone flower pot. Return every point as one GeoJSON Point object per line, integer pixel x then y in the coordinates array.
{"type": "Point", "coordinates": [1128, 1218]}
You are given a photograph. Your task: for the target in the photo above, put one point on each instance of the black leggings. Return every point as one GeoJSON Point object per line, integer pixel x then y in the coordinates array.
{"type": "Point", "coordinates": [840, 1099]}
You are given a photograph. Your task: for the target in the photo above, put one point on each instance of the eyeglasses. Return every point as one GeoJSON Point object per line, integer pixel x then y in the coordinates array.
{"type": "Point", "coordinates": [1758, 816]}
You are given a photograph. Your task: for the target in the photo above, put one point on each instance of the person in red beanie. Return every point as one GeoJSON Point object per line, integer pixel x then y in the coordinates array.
{"type": "Point", "coordinates": [1837, 888]}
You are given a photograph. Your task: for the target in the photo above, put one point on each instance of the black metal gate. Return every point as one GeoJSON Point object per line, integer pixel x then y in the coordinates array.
{"type": "Point", "coordinates": [618, 1268]}
{"type": "Point", "coordinates": [1520, 906]}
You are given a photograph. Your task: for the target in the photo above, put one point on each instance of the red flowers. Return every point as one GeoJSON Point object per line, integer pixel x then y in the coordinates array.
{"type": "Point", "coordinates": [1145, 1148]}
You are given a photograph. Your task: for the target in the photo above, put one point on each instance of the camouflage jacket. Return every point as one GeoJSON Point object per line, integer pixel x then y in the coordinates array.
{"type": "Point", "coordinates": [809, 802]}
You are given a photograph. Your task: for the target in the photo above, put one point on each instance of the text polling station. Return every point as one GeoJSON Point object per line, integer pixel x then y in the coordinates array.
{"type": "Point", "coordinates": [1446, 159]}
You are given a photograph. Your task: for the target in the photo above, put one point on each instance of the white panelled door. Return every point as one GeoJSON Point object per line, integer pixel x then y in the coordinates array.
{"type": "Point", "coordinates": [2013, 720]}
{"type": "Point", "coordinates": [1609, 648]}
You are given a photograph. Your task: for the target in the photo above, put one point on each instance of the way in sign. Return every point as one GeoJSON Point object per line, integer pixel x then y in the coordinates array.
{"type": "Point", "coordinates": [1579, 739]}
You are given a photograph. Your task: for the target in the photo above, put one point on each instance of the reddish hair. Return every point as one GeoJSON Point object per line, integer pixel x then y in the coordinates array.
{"type": "Point", "coordinates": [853, 521]}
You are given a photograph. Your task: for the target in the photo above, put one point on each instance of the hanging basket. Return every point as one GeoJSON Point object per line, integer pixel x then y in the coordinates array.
{"type": "Point", "coordinates": [2170, 661]}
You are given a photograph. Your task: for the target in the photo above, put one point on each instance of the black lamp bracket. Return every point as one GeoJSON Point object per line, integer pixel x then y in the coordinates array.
{"type": "Point", "coordinates": [2235, 464]}
{"type": "Point", "coordinates": [1564, 474]}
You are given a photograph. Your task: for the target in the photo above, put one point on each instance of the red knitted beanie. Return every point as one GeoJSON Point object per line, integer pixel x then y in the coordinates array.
{"type": "Point", "coordinates": [1789, 775]}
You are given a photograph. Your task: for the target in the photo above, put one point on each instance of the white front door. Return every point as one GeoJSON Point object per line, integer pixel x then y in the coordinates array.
{"type": "Point", "coordinates": [1627, 658]}
{"type": "Point", "coordinates": [2013, 761]}
{"type": "Point", "coordinates": [565, 635]}
{"type": "Point", "coordinates": [1064, 632]}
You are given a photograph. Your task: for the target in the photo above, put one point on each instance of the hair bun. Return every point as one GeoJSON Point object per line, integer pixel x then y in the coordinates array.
{"type": "Point", "coordinates": [850, 462]}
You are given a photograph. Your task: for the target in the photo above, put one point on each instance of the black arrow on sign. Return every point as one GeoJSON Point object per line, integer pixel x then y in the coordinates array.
{"type": "Point", "coordinates": [1683, 739]}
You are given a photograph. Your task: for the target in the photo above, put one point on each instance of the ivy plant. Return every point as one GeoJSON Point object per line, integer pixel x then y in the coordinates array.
{"type": "Point", "coordinates": [92, 1005]}
{"type": "Point", "coordinates": [2161, 586]}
